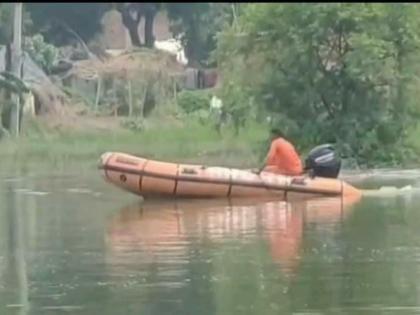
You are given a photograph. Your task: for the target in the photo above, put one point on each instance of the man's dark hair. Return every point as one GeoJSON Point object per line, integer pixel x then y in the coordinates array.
{"type": "Point", "coordinates": [276, 131]}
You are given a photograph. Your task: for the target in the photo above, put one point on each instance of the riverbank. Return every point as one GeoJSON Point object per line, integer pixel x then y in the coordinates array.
{"type": "Point", "coordinates": [77, 143]}
{"type": "Point", "coordinates": [47, 145]}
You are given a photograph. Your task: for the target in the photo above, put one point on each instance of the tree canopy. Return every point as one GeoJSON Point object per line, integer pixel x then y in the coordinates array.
{"type": "Point", "coordinates": [327, 72]}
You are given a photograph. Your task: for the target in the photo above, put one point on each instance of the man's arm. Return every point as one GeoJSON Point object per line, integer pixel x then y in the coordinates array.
{"type": "Point", "coordinates": [259, 170]}
{"type": "Point", "coordinates": [269, 154]}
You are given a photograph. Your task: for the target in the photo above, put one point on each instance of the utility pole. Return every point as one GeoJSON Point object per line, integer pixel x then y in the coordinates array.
{"type": "Point", "coordinates": [16, 65]}
{"type": "Point", "coordinates": [234, 14]}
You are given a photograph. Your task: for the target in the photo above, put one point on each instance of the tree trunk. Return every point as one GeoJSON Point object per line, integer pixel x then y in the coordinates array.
{"type": "Point", "coordinates": [192, 46]}
{"type": "Point", "coordinates": [98, 92]}
{"type": "Point", "coordinates": [132, 25]}
{"type": "Point", "coordinates": [5, 111]}
{"type": "Point", "coordinates": [401, 108]}
{"type": "Point", "coordinates": [143, 102]}
{"type": "Point", "coordinates": [130, 99]}
{"type": "Point", "coordinates": [134, 36]}
{"type": "Point", "coordinates": [149, 38]}
{"type": "Point", "coordinates": [2, 101]}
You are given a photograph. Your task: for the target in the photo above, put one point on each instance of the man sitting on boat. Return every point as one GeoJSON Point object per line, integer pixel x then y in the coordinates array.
{"type": "Point", "coordinates": [282, 157]}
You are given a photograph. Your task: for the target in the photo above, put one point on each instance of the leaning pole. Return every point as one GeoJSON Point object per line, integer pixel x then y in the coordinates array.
{"type": "Point", "coordinates": [16, 65]}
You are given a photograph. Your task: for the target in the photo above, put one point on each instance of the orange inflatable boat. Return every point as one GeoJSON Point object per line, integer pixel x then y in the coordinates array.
{"type": "Point", "coordinates": [154, 178]}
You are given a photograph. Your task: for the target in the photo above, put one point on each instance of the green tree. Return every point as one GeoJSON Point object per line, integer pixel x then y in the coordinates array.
{"type": "Point", "coordinates": [337, 72]}
{"type": "Point", "coordinates": [197, 25]}
{"type": "Point", "coordinates": [44, 54]}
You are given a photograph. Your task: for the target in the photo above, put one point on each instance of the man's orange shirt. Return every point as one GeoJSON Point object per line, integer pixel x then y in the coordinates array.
{"type": "Point", "coordinates": [283, 158]}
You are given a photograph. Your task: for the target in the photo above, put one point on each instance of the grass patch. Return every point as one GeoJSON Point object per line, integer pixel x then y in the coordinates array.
{"type": "Point", "coordinates": [414, 138]}
{"type": "Point", "coordinates": [190, 142]}
{"type": "Point", "coordinates": [187, 141]}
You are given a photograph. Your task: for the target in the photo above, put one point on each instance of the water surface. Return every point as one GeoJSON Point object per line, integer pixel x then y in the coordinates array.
{"type": "Point", "coordinates": [70, 243]}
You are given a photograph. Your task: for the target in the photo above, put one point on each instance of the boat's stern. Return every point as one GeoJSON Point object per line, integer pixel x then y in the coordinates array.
{"type": "Point", "coordinates": [348, 191]}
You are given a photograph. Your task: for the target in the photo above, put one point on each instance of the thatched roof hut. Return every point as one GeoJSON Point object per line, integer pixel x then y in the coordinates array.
{"type": "Point", "coordinates": [128, 65]}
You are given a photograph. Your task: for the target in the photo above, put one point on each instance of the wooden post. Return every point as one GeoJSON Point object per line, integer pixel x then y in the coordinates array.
{"type": "Point", "coordinates": [175, 97]}
{"type": "Point", "coordinates": [143, 102]}
{"type": "Point", "coordinates": [16, 65]}
{"type": "Point", "coordinates": [234, 14]}
{"type": "Point", "coordinates": [130, 99]}
{"type": "Point", "coordinates": [114, 96]}
{"type": "Point", "coordinates": [98, 92]}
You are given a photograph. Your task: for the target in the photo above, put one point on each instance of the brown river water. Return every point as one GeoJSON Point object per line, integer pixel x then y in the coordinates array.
{"type": "Point", "coordinates": [72, 244]}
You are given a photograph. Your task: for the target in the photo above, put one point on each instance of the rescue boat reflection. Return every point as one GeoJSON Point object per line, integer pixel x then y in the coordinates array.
{"type": "Point", "coordinates": [163, 231]}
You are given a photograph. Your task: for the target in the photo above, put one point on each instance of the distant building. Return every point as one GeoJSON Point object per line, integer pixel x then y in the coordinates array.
{"type": "Point", "coordinates": [114, 33]}
{"type": "Point", "coordinates": [115, 39]}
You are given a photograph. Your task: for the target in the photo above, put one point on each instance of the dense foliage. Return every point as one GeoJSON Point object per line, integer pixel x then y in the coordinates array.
{"type": "Point", "coordinates": [190, 101]}
{"type": "Point", "coordinates": [57, 22]}
{"type": "Point", "coordinates": [44, 54]}
{"type": "Point", "coordinates": [328, 72]}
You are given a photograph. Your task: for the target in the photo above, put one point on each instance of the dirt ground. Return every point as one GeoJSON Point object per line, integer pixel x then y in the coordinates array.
{"type": "Point", "coordinates": [76, 122]}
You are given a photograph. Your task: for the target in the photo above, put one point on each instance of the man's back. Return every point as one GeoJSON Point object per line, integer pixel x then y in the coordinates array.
{"type": "Point", "coordinates": [284, 157]}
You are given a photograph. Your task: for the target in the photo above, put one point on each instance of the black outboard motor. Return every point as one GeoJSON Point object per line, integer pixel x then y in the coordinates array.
{"type": "Point", "coordinates": [322, 161]}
